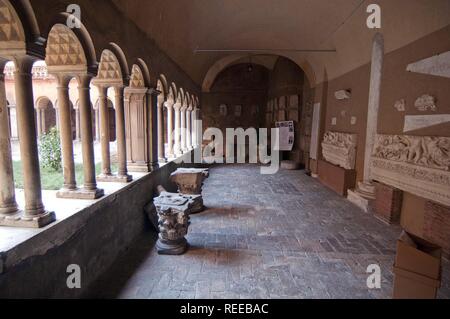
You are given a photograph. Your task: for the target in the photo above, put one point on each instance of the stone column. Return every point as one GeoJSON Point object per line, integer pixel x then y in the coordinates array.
{"type": "Point", "coordinates": [189, 129]}
{"type": "Point", "coordinates": [39, 128]}
{"type": "Point", "coordinates": [177, 135]}
{"type": "Point", "coordinates": [8, 204]}
{"type": "Point", "coordinates": [169, 106]}
{"type": "Point", "coordinates": [367, 187]}
{"type": "Point", "coordinates": [90, 184]}
{"type": "Point", "coordinates": [104, 133]}
{"type": "Point", "coordinates": [97, 122]}
{"type": "Point", "coordinates": [364, 195]}
{"type": "Point", "coordinates": [66, 137]}
{"type": "Point", "coordinates": [183, 129]}
{"type": "Point", "coordinates": [152, 106]}
{"type": "Point", "coordinates": [77, 125]}
{"type": "Point", "coordinates": [120, 136]}
{"type": "Point", "coordinates": [161, 148]}
{"type": "Point", "coordinates": [35, 214]}
{"type": "Point", "coordinates": [195, 137]}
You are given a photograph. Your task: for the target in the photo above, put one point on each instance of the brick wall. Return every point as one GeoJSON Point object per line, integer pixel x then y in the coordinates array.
{"type": "Point", "coordinates": [437, 226]}
{"type": "Point", "coordinates": [388, 203]}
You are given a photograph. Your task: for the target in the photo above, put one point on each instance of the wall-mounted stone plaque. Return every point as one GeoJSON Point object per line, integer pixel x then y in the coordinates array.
{"type": "Point", "coordinates": [334, 121]}
{"type": "Point", "coordinates": [416, 164]}
{"type": "Point", "coordinates": [353, 120]}
{"type": "Point", "coordinates": [340, 149]}
{"type": "Point", "coordinates": [438, 65]}
{"type": "Point", "coordinates": [416, 122]}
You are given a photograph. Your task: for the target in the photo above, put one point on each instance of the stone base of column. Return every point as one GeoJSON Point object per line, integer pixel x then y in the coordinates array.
{"type": "Point", "coordinates": [362, 197]}
{"type": "Point", "coordinates": [172, 248]}
{"type": "Point", "coordinates": [154, 166]}
{"type": "Point", "coordinates": [139, 167]}
{"type": "Point", "coordinates": [114, 178]}
{"type": "Point", "coordinates": [80, 193]}
{"type": "Point", "coordinates": [21, 220]}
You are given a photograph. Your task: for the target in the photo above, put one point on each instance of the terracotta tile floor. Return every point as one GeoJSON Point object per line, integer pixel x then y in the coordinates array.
{"type": "Point", "coordinates": [264, 236]}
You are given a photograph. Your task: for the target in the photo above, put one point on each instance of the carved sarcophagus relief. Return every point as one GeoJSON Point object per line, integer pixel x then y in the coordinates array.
{"type": "Point", "coordinates": [416, 164]}
{"type": "Point", "coordinates": [340, 149]}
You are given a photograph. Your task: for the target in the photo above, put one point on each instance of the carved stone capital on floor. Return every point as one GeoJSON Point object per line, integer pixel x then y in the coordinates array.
{"type": "Point", "coordinates": [173, 222]}
{"type": "Point", "coordinates": [189, 180]}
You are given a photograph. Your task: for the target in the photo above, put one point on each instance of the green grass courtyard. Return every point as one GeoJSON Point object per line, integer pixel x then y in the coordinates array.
{"type": "Point", "coordinates": [54, 180]}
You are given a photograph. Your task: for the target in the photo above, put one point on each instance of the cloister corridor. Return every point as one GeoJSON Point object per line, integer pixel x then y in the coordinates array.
{"type": "Point", "coordinates": [264, 236]}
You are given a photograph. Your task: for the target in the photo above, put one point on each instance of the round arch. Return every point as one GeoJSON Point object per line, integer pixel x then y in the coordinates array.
{"type": "Point", "coordinates": [229, 60]}
{"type": "Point", "coordinates": [145, 73]}
{"type": "Point", "coordinates": [164, 84]}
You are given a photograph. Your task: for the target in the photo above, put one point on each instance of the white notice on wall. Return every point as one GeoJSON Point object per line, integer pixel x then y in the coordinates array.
{"type": "Point", "coordinates": [287, 135]}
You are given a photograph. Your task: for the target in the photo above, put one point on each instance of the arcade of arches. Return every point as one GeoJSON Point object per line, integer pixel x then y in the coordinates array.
{"type": "Point", "coordinates": [135, 85]}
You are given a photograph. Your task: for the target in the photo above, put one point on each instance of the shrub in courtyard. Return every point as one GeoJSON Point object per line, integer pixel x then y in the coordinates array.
{"type": "Point", "coordinates": [50, 150]}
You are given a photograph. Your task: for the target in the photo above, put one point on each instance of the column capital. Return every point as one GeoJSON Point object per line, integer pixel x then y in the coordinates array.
{"type": "Point", "coordinates": [169, 104]}
{"type": "Point", "coordinates": [153, 91]}
{"type": "Point", "coordinates": [84, 81]}
{"type": "Point", "coordinates": [23, 64]}
{"type": "Point", "coordinates": [102, 91]}
{"type": "Point", "coordinates": [177, 106]}
{"type": "Point", "coordinates": [62, 80]}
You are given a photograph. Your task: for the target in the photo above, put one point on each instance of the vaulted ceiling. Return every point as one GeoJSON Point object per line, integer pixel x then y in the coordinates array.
{"type": "Point", "coordinates": [278, 26]}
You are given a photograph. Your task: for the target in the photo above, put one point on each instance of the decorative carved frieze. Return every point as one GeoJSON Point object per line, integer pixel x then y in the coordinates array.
{"type": "Point", "coordinates": [417, 164]}
{"type": "Point", "coordinates": [340, 149]}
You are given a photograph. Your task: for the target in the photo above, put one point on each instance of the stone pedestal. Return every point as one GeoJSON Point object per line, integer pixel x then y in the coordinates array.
{"type": "Point", "coordinates": [173, 221]}
{"type": "Point", "coordinates": [337, 178]}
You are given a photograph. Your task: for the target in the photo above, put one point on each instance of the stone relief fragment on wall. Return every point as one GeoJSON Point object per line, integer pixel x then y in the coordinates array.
{"type": "Point", "coordinates": [353, 120]}
{"type": "Point", "coordinates": [400, 105]}
{"type": "Point", "coordinates": [238, 110]}
{"type": "Point", "coordinates": [425, 102]}
{"type": "Point", "coordinates": [427, 151]}
{"type": "Point", "coordinates": [334, 121]}
{"type": "Point", "coordinates": [340, 149]}
{"type": "Point", "coordinates": [343, 94]}
{"type": "Point", "coordinates": [223, 110]}
{"type": "Point", "coordinates": [417, 164]}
